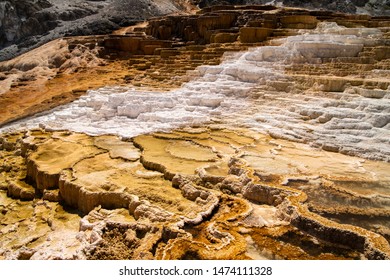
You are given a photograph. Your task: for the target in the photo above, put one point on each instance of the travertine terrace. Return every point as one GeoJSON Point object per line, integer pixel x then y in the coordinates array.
{"type": "Point", "coordinates": [237, 132]}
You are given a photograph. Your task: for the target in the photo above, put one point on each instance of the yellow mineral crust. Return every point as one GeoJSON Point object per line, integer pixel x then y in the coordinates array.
{"type": "Point", "coordinates": [110, 182]}
{"type": "Point", "coordinates": [44, 165]}
{"type": "Point", "coordinates": [201, 193]}
{"type": "Point", "coordinates": [38, 229]}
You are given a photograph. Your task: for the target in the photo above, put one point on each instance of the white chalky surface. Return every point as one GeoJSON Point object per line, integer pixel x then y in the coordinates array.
{"type": "Point", "coordinates": [249, 89]}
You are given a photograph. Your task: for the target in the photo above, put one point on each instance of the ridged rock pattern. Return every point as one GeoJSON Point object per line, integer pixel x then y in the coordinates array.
{"type": "Point", "coordinates": [205, 190]}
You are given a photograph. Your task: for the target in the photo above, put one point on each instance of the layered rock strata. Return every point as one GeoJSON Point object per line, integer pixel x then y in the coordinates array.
{"type": "Point", "coordinates": [151, 55]}
{"type": "Point", "coordinates": [342, 110]}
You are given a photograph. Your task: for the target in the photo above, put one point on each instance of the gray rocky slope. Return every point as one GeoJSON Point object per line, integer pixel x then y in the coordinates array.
{"type": "Point", "coordinates": [26, 24]}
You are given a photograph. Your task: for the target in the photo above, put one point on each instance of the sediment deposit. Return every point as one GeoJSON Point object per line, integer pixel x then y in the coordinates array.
{"type": "Point", "coordinates": [238, 132]}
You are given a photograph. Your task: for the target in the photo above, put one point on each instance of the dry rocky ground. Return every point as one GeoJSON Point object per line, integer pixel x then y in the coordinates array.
{"type": "Point", "coordinates": [247, 132]}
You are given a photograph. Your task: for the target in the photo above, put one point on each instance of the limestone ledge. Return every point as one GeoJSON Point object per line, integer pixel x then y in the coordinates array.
{"type": "Point", "coordinates": [21, 190]}
{"type": "Point", "coordinates": [43, 173]}
{"type": "Point", "coordinates": [291, 206]}
{"type": "Point", "coordinates": [373, 245]}
{"type": "Point", "coordinates": [216, 190]}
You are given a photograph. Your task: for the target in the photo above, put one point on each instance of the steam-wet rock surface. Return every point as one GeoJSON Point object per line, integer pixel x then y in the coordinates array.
{"type": "Point", "coordinates": [248, 132]}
